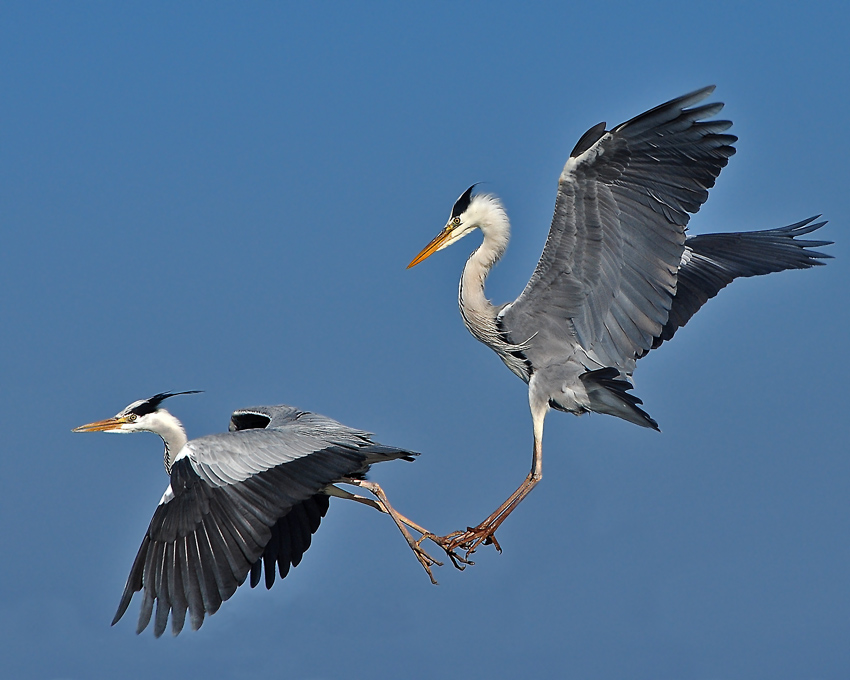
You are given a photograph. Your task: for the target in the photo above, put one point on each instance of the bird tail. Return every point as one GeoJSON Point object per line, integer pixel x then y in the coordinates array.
{"type": "Point", "coordinates": [378, 453]}
{"type": "Point", "coordinates": [609, 393]}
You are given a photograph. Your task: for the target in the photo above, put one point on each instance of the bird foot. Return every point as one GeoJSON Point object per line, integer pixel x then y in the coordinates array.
{"type": "Point", "coordinates": [458, 561]}
{"type": "Point", "coordinates": [424, 558]}
{"type": "Point", "coordinates": [468, 541]}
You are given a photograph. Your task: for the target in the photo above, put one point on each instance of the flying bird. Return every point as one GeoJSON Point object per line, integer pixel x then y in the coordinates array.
{"type": "Point", "coordinates": [618, 274]}
{"type": "Point", "coordinates": [243, 501]}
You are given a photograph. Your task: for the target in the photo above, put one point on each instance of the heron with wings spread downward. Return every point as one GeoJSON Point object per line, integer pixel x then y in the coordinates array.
{"type": "Point", "coordinates": [618, 274]}
{"type": "Point", "coordinates": [242, 502]}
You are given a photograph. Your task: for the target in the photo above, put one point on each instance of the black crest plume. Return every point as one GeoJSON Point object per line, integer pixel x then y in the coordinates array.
{"type": "Point", "coordinates": [152, 404]}
{"type": "Point", "coordinates": [463, 202]}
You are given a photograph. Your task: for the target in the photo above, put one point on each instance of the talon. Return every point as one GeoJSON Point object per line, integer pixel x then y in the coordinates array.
{"type": "Point", "coordinates": [459, 563]}
{"type": "Point", "coordinates": [427, 562]}
{"type": "Point", "coordinates": [469, 540]}
{"type": "Point", "coordinates": [449, 544]}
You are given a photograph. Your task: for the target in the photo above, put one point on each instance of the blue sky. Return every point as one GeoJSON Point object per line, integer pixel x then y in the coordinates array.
{"type": "Point", "coordinates": [224, 197]}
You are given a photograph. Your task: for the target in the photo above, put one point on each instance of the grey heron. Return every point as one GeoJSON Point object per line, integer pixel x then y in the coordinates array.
{"type": "Point", "coordinates": [618, 274]}
{"type": "Point", "coordinates": [243, 501]}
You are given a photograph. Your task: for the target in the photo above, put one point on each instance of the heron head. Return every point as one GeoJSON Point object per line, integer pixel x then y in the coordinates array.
{"type": "Point", "coordinates": [466, 215]}
{"type": "Point", "coordinates": [140, 416]}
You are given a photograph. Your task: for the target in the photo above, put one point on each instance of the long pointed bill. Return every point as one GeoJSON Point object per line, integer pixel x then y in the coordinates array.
{"type": "Point", "coordinates": [102, 425]}
{"type": "Point", "coordinates": [433, 247]}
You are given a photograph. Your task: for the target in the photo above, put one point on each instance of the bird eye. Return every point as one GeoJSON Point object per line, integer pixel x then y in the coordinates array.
{"type": "Point", "coordinates": [131, 417]}
{"type": "Point", "coordinates": [456, 221]}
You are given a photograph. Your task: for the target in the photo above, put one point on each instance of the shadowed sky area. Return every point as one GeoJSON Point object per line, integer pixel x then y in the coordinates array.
{"type": "Point", "coordinates": [224, 197]}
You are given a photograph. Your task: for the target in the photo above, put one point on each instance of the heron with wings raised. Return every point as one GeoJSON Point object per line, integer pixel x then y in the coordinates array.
{"type": "Point", "coordinates": [618, 274]}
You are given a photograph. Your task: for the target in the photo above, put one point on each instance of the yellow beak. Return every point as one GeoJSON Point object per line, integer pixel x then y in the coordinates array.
{"type": "Point", "coordinates": [102, 425]}
{"type": "Point", "coordinates": [432, 247]}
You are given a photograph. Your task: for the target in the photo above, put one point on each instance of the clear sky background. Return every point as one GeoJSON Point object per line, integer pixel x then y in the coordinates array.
{"type": "Point", "coordinates": [224, 196]}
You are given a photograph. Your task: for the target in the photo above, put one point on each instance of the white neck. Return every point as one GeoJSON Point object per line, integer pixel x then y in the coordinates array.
{"type": "Point", "coordinates": [171, 430]}
{"type": "Point", "coordinates": [486, 213]}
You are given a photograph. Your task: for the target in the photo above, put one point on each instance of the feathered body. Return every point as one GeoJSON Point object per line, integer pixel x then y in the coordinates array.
{"type": "Point", "coordinates": [618, 275]}
{"type": "Point", "coordinates": [243, 501]}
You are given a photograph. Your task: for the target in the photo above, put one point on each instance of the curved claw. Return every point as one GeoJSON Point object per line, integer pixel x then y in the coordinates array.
{"type": "Point", "coordinates": [424, 558]}
{"type": "Point", "coordinates": [458, 562]}
{"type": "Point", "coordinates": [469, 540]}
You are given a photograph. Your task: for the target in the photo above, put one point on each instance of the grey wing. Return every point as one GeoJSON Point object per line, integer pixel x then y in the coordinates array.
{"type": "Point", "coordinates": [712, 261]}
{"type": "Point", "coordinates": [266, 436]}
{"type": "Point", "coordinates": [237, 501]}
{"type": "Point", "coordinates": [291, 536]}
{"type": "Point", "coordinates": [607, 275]}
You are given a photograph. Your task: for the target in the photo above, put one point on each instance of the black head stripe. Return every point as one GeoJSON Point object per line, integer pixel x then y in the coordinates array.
{"type": "Point", "coordinates": [153, 403]}
{"type": "Point", "coordinates": [463, 202]}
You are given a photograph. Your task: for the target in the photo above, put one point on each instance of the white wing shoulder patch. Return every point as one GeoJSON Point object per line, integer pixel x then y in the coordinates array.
{"type": "Point", "coordinates": [573, 162]}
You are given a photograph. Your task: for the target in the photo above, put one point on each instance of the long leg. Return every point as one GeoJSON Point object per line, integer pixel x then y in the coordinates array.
{"type": "Point", "coordinates": [470, 539]}
{"type": "Point", "coordinates": [382, 504]}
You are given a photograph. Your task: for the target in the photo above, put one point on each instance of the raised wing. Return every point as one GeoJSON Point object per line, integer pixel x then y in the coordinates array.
{"type": "Point", "coordinates": [607, 275]}
{"type": "Point", "coordinates": [238, 501]}
{"type": "Point", "coordinates": [712, 261]}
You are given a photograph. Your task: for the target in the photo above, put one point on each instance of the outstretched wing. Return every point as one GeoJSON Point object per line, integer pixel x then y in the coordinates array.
{"type": "Point", "coordinates": [607, 275]}
{"type": "Point", "coordinates": [239, 500]}
{"type": "Point", "coordinates": [712, 261]}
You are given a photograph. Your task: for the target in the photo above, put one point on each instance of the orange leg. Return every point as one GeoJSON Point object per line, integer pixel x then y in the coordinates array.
{"type": "Point", "coordinates": [470, 539]}
{"type": "Point", "coordinates": [382, 504]}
